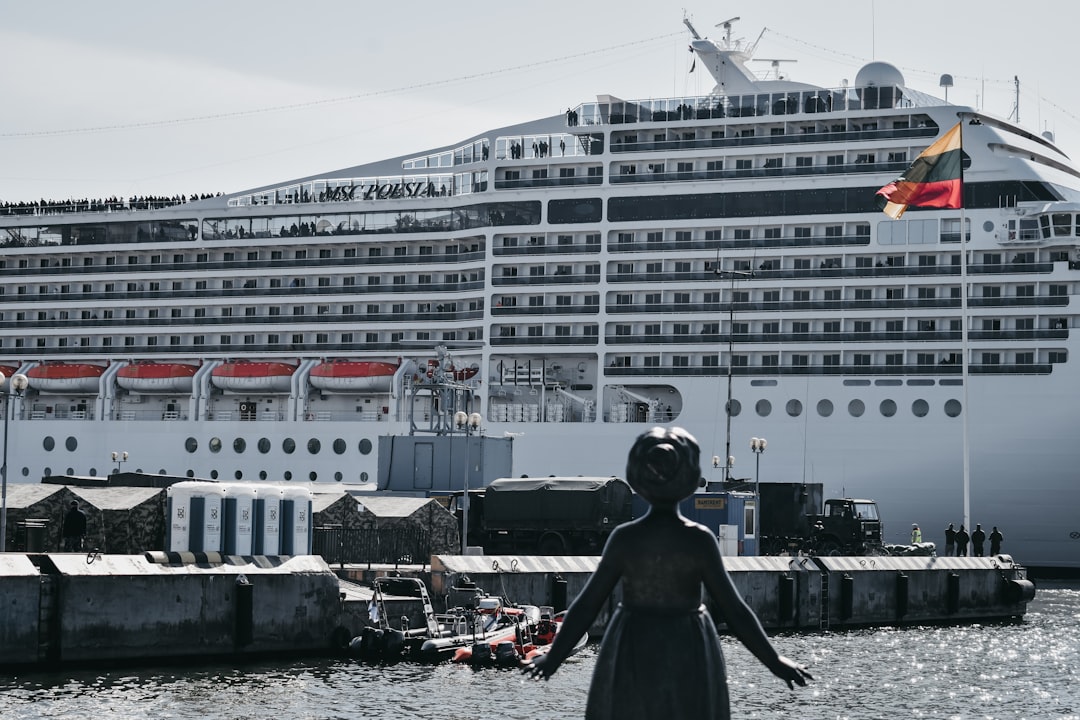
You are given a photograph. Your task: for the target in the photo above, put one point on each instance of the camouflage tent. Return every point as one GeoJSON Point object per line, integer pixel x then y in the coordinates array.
{"type": "Point", "coordinates": [42, 507]}
{"type": "Point", "coordinates": [381, 528]}
{"type": "Point", "coordinates": [132, 519]}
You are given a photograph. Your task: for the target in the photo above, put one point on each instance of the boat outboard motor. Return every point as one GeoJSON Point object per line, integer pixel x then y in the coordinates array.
{"type": "Point", "coordinates": [481, 654]}
{"type": "Point", "coordinates": [369, 645]}
{"type": "Point", "coordinates": [506, 655]}
{"type": "Point", "coordinates": [393, 645]}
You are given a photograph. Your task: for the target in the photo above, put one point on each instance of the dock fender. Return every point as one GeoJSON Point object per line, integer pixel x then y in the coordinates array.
{"type": "Point", "coordinates": [1020, 591]}
{"type": "Point", "coordinates": [341, 638]}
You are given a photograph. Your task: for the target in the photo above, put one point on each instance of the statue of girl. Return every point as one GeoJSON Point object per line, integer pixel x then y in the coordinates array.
{"type": "Point", "coordinates": [660, 656]}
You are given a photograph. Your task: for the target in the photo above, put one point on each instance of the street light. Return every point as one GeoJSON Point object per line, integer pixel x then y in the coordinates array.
{"type": "Point", "coordinates": [119, 458]}
{"type": "Point", "coordinates": [468, 423]}
{"type": "Point", "coordinates": [18, 384]}
{"type": "Point", "coordinates": [757, 446]}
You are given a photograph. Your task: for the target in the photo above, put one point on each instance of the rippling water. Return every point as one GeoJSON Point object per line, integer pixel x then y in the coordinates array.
{"type": "Point", "coordinates": [1025, 670]}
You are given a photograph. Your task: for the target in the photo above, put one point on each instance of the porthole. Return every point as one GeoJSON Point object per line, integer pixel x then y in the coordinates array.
{"type": "Point", "coordinates": [70, 471]}
{"type": "Point", "coordinates": [264, 445]}
{"type": "Point", "coordinates": [365, 447]}
{"type": "Point", "coordinates": [48, 443]}
{"type": "Point", "coordinates": [161, 471]}
{"type": "Point", "coordinates": [763, 408]}
{"type": "Point", "coordinates": [288, 475]}
{"type": "Point", "coordinates": [363, 477]}
{"type": "Point", "coordinates": [190, 473]}
{"type": "Point", "coordinates": [337, 476]}
{"type": "Point", "coordinates": [48, 472]}
{"type": "Point", "coordinates": [920, 408]}
{"type": "Point", "coordinates": [191, 444]}
{"type": "Point", "coordinates": [215, 445]}
{"type": "Point", "coordinates": [262, 474]}
{"type": "Point", "coordinates": [239, 445]}
{"type": "Point", "coordinates": [26, 472]}
{"type": "Point", "coordinates": [340, 446]}
{"type": "Point", "coordinates": [856, 408]}
{"type": "Point", "coordinates": [239, 474]}
{"type": "Point", "coordinates": [736, 407]}
{"type": "Point", "coordinates": [213, 474]}
{"type": "Point", "coordinates": [71, 444]}
{"type": "Point", "coordinates": [824, 408]}
{"type": "Point", "coordinates": [988, 226]}
{"type": "Point", "coordinates": [888, 408]}
{"type": "Point", "coordinates": [313, 476]}
{"type": "Point", "coordinates": [289, 446]}
{"type": "Point", "coordinates": [93, 472]}
{"type": "Point", "coordinates": [794, 408]}
{"type": "Point", "coordinates": [314, 446]}
{"type": "Point", "coordinates": [952, 408]}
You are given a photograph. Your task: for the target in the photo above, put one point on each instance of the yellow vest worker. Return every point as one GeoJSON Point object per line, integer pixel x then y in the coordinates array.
{"type": "Point", "coordinates": [916, 534]}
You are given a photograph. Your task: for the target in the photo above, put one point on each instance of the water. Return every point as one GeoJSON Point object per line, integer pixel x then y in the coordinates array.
{"type": "Point", "coordinates": [1025, 670]}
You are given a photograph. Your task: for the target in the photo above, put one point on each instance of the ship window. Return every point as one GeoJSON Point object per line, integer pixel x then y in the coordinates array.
{"type": "Point", "coordinates": [314, 446]}
{"type": "Point", "coordinates": [215, 445]}
{"type": "Point", "coordinates": [763, 408]}
{"type": "Point", "coordinates": [856, 408]}
{"type": "Point", "coordinates": [920, 408]}
{"type": "Point", "coordinates": [288, 445]}
{"type": "Point", "coordinates": [365, 447]}
{"type": "Point", "coordinates": [340, 446]}
{"type": "Point", "coordinates": [888, 408]}
{"type": "Point", "coordinates": [825, 408]}
{"type": "Point", "coordinates": [794, 407]}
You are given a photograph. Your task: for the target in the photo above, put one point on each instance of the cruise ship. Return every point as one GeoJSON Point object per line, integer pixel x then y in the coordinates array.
{"type": "Point", "coordinates": [715, 262]}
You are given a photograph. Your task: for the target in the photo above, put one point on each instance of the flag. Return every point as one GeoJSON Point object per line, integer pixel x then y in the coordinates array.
{"type": "Point", "coordinates": [935, 179]}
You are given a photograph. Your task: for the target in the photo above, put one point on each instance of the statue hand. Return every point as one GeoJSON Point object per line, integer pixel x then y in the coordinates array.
{"type": "Point", "coordinates": [791, 672]}
{"type": "Point", "coordinates": [540, 668]}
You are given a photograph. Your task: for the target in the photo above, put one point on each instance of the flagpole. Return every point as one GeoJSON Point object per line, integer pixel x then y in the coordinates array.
{"type": "Point", "coordinates": [965, 410]}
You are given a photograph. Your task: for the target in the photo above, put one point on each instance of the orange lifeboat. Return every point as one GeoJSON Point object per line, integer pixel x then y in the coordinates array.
{"type": "Point", "coordinates": [61, 377]}
{"type": "Point", "coordinates": [9, 370]}
{"type": "Point", "coordinates": [353, 376]}
{"type": "Point", "coordinates": [153, 377]}
{"type": "Point", "coordinates": [247, 376]}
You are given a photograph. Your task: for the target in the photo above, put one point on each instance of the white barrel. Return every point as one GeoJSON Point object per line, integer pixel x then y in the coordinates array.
{"type": "Point", "coordinates": [268, 520]}
{"type": "Point", "coordinates": [195, 517]}
{"type": "Point", "coordinates": [296, 529]}
{"type": "Point", "coordinates": [240, 518]}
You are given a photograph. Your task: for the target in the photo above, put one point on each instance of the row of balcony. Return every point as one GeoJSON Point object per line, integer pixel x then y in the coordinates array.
{"type": "Point", "coordinates": [739, 141]}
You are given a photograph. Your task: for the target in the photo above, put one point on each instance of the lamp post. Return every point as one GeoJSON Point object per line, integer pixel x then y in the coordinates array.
{"type": "Point", "coordinates": [18, 384]}
{"type": "Point", "coordinates": [468, 423]}
{"type": "Point", "coordinates": [119, 458]}
{"type": "Point", "coordinates": [757, 446]}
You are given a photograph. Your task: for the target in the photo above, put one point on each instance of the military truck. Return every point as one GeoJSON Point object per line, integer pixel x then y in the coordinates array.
{"type": "Point", "coordinates": [547, 516]}
{"type": "Point", "coordinates": [795, 519]}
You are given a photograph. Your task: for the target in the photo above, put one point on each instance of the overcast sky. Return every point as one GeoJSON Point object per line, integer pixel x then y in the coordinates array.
{"type": "Point", "coordinates": [130, 97]}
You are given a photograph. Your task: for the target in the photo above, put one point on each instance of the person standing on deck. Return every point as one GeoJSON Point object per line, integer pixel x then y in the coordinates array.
{"type": "Point", "coordinates": [950, 540]}
{"type": "Point", "coordinates": [916, 534]}
{"type": "Point", "coordinates": [995, 541]}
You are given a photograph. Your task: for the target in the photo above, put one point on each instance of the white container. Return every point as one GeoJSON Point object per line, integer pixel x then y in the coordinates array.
{"type": "Point", "coordinates": [239, 533]}
{"type": "Point", "coordinates": [268, 520]}
{"type": "Point", "coordinates": [195, 517]}
{"type": "Point", "coordinates": [296, 529]}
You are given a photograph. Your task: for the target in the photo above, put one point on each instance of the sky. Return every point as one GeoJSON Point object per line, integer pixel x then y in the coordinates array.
{"type": "Point", "coordinates": [129, 97]}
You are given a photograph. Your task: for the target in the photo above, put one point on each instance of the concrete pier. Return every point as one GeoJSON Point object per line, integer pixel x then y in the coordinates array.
{"type": "Point", "coordinates": [63, 609]}
{"type": "Point", "coordinates": [76, 609]}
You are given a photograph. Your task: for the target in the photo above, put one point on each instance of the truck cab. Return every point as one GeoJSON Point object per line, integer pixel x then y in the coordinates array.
{"type": "Point", "coordinates": [847, 526]}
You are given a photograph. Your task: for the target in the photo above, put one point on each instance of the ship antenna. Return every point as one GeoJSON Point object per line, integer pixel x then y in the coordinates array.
{"type": "Point", "coordinates": [775, 63]}
{"type": "Point", "coordinates": [727, 29]}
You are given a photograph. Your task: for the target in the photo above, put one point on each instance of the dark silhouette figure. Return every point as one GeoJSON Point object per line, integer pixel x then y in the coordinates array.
{"type": "Point", "coordinates": [950, 540]}
{"type": "Point", "coordinates": [995, 541]}
{"type": "Point", "coordinates": [661, 657]}
{"type": "Point", "coordinates": [978, 539]}
{"type": "Point", "coordinates": [74, 528]}
{"type": "Point", "coordinates": [961, 542]}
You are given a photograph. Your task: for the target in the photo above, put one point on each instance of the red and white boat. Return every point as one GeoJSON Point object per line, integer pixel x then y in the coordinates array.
{"type": "Point", "coordinates": [353, 376]}
{"type": "Point", "coordinates": [9, 370]}
{"type": "Point", "coordinates": [249, 376]}
{"type": "Point", "coordinates": [61, 377]}
{"type": "Point", "coordinates": [153, 377]}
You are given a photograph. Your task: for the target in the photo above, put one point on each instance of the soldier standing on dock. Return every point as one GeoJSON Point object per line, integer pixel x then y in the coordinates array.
{"type": "Point", "coordinates": [995, 541]}
{"type": "Point", "coordinates": [950, 540]}
{"type": "Point", "coordinates": [978, 537]}
{"type": "Point", "coordinates": [961, 542]}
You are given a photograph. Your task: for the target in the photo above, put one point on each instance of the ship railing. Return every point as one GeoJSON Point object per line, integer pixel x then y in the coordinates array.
{"type": "Point", "coordinates": [657, 176]}
{"type": "Point", "coordinates": [943, 367]}
{"type": "Point", "coordinates": [629, 145]}
{"type": "Point", "coordinates": [808, 102]}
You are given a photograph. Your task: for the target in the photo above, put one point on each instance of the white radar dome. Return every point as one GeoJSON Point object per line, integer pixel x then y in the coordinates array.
{"type": "Point", "coordinates": [878, 74]}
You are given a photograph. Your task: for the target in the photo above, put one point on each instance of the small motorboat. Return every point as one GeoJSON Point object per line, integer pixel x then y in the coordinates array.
{"type": "Point", "coordinates": [480, 620]}
{"type": "Point", "coordinates": [528, 642]}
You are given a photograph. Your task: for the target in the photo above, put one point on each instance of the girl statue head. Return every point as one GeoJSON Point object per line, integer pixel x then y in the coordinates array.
{"type": "Point", "coordinates": [664, 465]}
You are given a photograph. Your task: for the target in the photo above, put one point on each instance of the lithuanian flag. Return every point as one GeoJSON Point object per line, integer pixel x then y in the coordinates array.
{"type": "Point", "coordinates": [935, 179]}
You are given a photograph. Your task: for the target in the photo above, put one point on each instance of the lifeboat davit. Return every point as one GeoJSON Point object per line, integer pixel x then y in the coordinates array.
{"type": "Point", "coordinates": [253, 377]}
{"type": "Point", "coordinates": [354, 376]}
{"type": "Point", "coordinates": [60, 377]}
{"type": "Point", "coordinates": [9, 370]}
{"type": "Point", "coordinates": [153, 377]}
